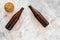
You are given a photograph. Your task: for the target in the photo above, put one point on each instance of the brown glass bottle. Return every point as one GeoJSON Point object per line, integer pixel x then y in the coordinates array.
{"type": "Point", "coordinates": [14, 19]}
{"type": "Point", "coordinates": [39, 16]}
